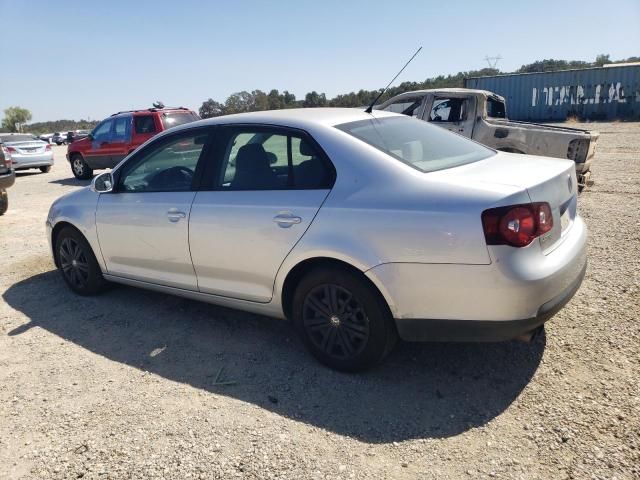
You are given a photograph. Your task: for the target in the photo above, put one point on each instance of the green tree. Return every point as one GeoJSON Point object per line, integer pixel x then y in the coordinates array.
{"type": "Point", "coordinates": [14, 118]}
{"type": "Point", "coordinates": [211, 108]}
{"type": "Point", "coordinates": [315, 99]}
{"type": "Point", "coordinates": [601, 60]}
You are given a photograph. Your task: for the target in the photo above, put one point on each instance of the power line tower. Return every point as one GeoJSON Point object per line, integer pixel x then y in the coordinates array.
{"type": "Point", "coordinates": [493, 61]}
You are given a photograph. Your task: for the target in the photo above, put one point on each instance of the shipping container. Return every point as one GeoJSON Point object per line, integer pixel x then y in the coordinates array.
{"type": "Point", "coordinates": [607, 93]}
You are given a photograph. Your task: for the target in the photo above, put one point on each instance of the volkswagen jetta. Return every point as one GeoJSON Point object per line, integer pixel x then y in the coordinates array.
{"type": "Point", "coordinates": [358, 227]}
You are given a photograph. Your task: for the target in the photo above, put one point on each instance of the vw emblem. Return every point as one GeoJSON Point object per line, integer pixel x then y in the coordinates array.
{"type": "Point", "coordinates": [570, 183]}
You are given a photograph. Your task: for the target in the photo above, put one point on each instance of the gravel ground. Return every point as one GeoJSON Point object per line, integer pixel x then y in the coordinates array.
{"type": "Point", "coordinates": [134, 384]}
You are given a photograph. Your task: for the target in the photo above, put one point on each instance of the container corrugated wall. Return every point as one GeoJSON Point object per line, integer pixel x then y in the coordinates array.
{"type": "Point", "coordinates": [607, 93]}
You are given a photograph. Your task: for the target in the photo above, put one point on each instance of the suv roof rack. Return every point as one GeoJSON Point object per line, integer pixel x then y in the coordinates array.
{"type": "Point", "coordinates": [153, 109]}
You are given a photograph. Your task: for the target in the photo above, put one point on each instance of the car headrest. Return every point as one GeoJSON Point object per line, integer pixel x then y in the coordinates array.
{"type": "Point", "coordinates": [306, 149]}
{"type": "Point", "coordinates": [251, 155]}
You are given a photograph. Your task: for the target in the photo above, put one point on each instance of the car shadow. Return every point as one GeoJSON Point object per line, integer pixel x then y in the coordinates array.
{"type": "Point", "coordinates": [74, 182]}
{"type": "Point", "coordinates": [421, 391]}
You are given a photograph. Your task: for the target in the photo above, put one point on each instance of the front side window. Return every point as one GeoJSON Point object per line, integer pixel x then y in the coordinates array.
{"type": "Point", "coordinates": [406, 105]}
{"type": "Point", "coordinates": [102, 132]}
{"type": "Point", "coordinates": [448, 110]}
{"type": "Point", "coordinates": [168, 166]}
{"type": "Point", "coordinates": [416, 143]}
{"type": "Point", "coordinates": [262, 159]}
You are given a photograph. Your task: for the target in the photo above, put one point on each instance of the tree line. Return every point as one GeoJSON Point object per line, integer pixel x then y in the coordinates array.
{"type": "Point", "coordinates": [257, 100]}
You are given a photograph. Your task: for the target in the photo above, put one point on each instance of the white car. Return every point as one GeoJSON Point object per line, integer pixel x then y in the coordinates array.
{"type": "Point", "coordinates": [358, 227]}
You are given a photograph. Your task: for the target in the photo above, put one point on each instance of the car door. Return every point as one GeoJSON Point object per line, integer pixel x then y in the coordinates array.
{"type": "Point", "coordinates": [256, 203]}
{"type": "Point", "coordinates": [98, 155]}
{"type": "Point", "coordinates": [456, 113]}
{"type": "Point", "coordinates": [143, 225]}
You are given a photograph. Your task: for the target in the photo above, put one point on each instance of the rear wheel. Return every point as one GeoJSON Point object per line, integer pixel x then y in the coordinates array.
{"type": "Point", "coordinates": [342, 319]}
{"type": "Point", "coordinates": [46, 169]}
{"type": "Point", "coordinates": [77, 263]}
{"type": "Point", "coordinates": [79, 167]}
{"type": "Point", "coordinates": [4, 202]}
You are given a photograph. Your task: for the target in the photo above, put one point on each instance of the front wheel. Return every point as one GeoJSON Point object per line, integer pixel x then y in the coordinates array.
{"type": "Point", "coordinates": [77, 263]}
{"type": "Point", "coordinates": [4, 202]}
{"type": "Point", "coordinates": [46, 169]}
{"type": "Point", "coordinates": [342, 319]}
{"type": "Point", "coordinates": [79, 167]}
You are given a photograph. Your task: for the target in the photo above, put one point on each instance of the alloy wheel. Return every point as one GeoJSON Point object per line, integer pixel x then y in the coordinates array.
{"type": "Point", "coordinates": [73, 262]}
{"type": "Point", "coordinates": [335, 321]}
{"type": "Point", "coordinates": [78, 166]}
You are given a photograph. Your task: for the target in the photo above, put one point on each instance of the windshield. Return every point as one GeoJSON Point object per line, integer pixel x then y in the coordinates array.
{"type": "Point", "coordinates": [416, 143]}
{"type": "Point", "coordinates": [17, 138]}
{"type": "Point", "coordinates": [174, 119]}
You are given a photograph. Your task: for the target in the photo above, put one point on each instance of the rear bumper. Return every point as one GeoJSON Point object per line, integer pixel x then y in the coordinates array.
{"type": "Point", "coordinates": [32, 161]}
{"type": "Point", "coordinates": [514, 294]}
{"type": "Point", "coordinates": [430, 330]}
{"type": "Point", "coordinates": [7, 179]}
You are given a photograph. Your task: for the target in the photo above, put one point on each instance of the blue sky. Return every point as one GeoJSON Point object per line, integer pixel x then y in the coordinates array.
{"type": "Point", "coordinates": [74, 59]}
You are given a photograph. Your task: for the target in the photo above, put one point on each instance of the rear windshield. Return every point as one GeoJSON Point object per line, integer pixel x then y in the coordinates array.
{"type": "Point", "coordinates": [170, 119]}
{"type": "Point", "coordinates": [17, 138]}
{"type": "Point", "coordinates": [416, 143]}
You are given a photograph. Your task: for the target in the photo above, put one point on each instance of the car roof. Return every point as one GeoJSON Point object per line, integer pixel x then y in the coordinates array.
{"type": "Point", "coordinates": [151, 110]}
{"type": "Point", "coordinates": [295, 117]}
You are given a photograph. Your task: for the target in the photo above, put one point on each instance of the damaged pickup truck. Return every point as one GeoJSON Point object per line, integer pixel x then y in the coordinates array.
{"type": "Point", "coordinates": [481, 116]}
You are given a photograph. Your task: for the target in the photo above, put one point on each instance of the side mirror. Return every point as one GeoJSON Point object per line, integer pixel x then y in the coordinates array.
{"type": "Point", "coordinates": [103, 183]}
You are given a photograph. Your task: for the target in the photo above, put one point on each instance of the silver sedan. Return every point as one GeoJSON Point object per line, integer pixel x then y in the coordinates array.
{"type": "Point", "coordinates": [360, 228]}
{"type": "Point", "coordinates": [27, 151]}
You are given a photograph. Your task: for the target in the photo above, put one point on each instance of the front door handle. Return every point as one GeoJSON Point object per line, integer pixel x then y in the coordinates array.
{"type": "Point", "coordinates": [286, 219]}
{"type": "Point", "coordinates": [174, 215]}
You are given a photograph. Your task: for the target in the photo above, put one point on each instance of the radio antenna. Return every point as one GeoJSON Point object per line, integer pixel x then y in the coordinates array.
{"type": "Point", "coordinates": [370, 107]}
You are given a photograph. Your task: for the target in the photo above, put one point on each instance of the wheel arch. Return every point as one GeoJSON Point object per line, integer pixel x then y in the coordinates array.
{"type": "Point", "coordinates": [295, 274]}
{"type": "Point", "coordinates": [55, 231]}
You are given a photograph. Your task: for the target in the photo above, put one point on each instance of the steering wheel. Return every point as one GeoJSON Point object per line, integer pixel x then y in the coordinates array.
{"type": "Point", "coordinates": [174, 177]}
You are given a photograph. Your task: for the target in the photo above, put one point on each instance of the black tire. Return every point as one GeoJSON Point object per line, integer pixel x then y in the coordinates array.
{"type": "Point", "coordinates": [79, 167]}
{"type": "Point", "coordinates": [342, 319]}
{"type": "Point", "coordinates": [4, 202]}
{"type": "Point", "coordinates": [77, 263]}
{"type": "Point", "coordinates": [46, 169]}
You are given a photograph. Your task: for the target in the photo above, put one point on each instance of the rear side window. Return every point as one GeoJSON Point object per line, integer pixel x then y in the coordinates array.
{"type": "Point", "coordinates": [424, 147]}
{"type": "Point", "coordinates": [144, 124]}
{"type": "Point", "coordinates": [495, 108]}
{"type": "Point", "coordinates": [272, 160]}
{"type": "Point", "coordinates": [173, 119]}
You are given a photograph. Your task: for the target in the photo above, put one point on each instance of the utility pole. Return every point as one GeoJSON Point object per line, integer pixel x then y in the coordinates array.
{"type": "Point", "coordinates": [493, 61]}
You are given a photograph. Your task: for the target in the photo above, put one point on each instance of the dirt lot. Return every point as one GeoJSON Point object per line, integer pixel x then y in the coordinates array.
{"type": "Point", "coordinates": [124, 385]}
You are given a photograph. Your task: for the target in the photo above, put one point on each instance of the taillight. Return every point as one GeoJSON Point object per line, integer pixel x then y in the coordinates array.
{"type": "Point", "coordinates": [516, 225]}
{"type": "Point", "coordinates": [47, 147]}
{"type": "Point", "coordinates": [7, 156]}
{"type": "Point", "coordinates": [11, 150]}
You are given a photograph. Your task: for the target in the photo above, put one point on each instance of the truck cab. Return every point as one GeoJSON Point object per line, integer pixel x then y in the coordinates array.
{"type": "Point", "coordinates": [482, 116]}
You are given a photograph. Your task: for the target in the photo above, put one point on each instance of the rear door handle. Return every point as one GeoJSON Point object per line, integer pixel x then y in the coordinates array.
{"type": "Point", "coordinates": [174, 215]}
{"type": "Point", "coordinates": [286, 219]}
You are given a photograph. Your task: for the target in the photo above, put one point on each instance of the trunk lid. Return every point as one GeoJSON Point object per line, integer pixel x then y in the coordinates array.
{"type": "Point", "coordinates": [28, 148]}
{"type": "Point", "coordinates": [545, 179]}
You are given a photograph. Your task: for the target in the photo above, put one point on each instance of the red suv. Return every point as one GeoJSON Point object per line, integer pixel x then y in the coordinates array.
{"type": "Point", "coordinates": [117, 136]}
